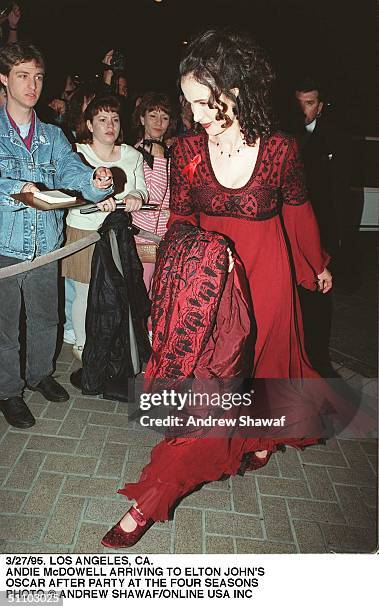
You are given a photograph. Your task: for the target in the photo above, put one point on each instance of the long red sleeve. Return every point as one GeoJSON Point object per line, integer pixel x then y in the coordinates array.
{"type": "Point", "coordinates": [300, 223]}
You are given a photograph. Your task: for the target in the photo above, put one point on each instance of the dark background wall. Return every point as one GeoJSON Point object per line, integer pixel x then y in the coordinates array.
{"type": "Point", "coordinates": [336, 39]}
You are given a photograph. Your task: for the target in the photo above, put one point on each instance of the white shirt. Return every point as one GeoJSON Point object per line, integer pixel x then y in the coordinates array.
{"type": "Point", "coordinates": [311, 126]}
{"type": "Point", "coordinates": [24, 129]}
{"type": "Point", "coordinates": [131, 164]}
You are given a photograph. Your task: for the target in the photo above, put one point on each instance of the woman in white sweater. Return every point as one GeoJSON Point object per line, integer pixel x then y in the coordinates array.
{"type": "Point", "coordinates": [99, 143]}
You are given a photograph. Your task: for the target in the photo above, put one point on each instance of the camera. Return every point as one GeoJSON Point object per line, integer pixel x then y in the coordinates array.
{"type": "Point", "coordinates": [5, 7]}
{"type": "Point", "coordinates": [118, 62]}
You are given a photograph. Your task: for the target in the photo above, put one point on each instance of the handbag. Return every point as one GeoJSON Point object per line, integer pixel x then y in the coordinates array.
{"type": "Point", "coordinates": [147, 251]}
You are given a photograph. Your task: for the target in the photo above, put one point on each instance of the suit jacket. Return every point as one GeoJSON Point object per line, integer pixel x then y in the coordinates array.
{"type": "Point", "coordinates": [326, 155]}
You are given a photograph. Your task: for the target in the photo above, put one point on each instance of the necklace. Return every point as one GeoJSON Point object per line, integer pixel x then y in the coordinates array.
{"type": "Point", "coordinates": [235, 152]}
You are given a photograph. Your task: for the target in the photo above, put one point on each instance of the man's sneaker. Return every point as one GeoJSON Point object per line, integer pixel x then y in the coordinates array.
{"type": "Point", "coordinates": [16, 412]}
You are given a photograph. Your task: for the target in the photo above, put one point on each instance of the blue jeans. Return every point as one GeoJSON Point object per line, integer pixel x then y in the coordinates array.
{"type": "Point", "coordinates": [39, 290]}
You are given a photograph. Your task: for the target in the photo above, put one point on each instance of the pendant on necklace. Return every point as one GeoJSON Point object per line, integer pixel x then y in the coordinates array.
{"type": "Point", "coordinates": [234, 152]}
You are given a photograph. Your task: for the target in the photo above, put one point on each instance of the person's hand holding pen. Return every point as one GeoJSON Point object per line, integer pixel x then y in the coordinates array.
{"type": "Point", "coordinates": [102, 178]}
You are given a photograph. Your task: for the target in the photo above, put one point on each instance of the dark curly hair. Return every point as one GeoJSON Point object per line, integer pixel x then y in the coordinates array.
{"type": "Point", "coordinates": [222, 60]}
{"type": "Point", "coordinates": [150, 101]}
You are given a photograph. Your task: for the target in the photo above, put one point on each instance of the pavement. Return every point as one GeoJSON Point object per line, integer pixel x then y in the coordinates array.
{"type": "Point", "coordinates": [58, 480]}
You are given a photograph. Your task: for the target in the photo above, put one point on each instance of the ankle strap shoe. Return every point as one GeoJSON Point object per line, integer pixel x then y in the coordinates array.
{"type": "Point", "coordinates": [118, 538]}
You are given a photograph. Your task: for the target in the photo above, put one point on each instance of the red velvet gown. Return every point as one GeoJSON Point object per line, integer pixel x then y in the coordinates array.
{"type": "Point", "coordinates": [249, 217]}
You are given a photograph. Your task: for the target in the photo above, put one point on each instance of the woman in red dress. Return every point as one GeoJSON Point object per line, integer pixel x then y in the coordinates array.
{"type": "Point", "coordinates": [239, 178]}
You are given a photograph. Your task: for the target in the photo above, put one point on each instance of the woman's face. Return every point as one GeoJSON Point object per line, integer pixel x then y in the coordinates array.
{"type": "Point", "coordinates": [155, 122]}
{"type": "Point", "coordinates": [198, 96]}
{"type": "Point", "coordinates": [69, 88]}
{"type": "Point", "coordinates": [105, 127]}
{"type": "Point", "coordinates": [122, 87]}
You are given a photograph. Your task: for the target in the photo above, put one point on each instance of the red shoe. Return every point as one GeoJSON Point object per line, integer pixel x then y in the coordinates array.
{"type": "Point", "coordinates": [118, 538]}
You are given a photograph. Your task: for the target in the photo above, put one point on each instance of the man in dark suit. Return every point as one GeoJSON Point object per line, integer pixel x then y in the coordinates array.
{"type": "Point", "coordinates": [326, 156]}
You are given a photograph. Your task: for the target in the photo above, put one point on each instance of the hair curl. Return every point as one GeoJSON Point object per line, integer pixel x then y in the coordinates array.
{"type": "Point", "coordinates": [222, 60]}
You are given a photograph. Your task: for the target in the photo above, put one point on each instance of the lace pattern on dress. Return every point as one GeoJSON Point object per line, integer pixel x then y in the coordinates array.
{"type": "Point", "coordinates": [277, 179]}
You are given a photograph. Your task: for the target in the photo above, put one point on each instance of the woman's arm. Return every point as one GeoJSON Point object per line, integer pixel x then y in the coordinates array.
{"type": "Point", "coordinates": [138, 194]}
{"type": "Point", "coordinates": [310, 260]}
{"type": "Point", "coordinates": [13, 19]}
{"type": "Point", "coordinates": [140, 183]}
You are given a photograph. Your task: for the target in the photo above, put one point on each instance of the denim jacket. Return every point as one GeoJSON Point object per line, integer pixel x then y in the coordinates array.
{"type": "Point", "coordinates": [27, 232]}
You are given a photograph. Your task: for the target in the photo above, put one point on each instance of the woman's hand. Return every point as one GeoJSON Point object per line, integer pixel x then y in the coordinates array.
{"type": "Point", "coordinates": [108, 205]}
{"type": "Point", "coordinates": [231, 260]}
{"type": "Point", "coordinates": [58, 105]}
{"type": "Point", "coordinates": [108, 58]}
{"type": "Point", "coordinates": [103, 178]}
{"type": "Point", "coordinates": [108, 72]}
{"type": "Point", "coordinates": [132, 203]}
{"type": "Point", "coordinates": [14, 16]}
{"type": "Point", "coordinates": [325, 281]}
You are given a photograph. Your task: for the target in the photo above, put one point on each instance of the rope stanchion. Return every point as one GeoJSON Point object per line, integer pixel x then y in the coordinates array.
{"type": "Point", "coordinates": [68, 249]}
{"type": "Point", "coordinates": [147, 235]}
{"type": "Point", "coordinates": [65, 251]}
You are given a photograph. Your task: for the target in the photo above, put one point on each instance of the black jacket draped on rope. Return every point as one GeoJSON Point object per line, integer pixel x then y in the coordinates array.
{"type": "Point", "coordinates": [118, 305]}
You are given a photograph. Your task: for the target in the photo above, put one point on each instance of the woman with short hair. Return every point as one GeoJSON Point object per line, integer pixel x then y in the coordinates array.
{"type": "Point", "coordinates": [100, 138]}
{"type": "Point", "coordinates": [154, 122]}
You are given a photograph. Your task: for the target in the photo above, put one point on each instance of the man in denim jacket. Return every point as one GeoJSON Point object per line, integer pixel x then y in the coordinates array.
{"type": "Point", "coordinates": [32, 154]}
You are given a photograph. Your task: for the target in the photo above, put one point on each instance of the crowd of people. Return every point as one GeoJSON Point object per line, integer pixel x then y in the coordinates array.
{"type": "Point", "coordinates": [212, 177]}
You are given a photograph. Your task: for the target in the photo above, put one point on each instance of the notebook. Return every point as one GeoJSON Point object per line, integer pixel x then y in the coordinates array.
{"type": "Point", "coordinates": [54, 197]}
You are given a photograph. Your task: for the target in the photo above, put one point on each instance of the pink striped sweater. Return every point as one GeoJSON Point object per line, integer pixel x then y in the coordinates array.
{"type": "Point", "coordinates": [158, 185]}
